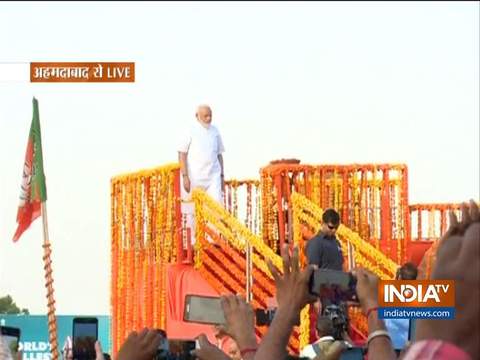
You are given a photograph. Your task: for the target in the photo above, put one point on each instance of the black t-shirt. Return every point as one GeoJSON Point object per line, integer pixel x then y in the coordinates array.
{"type": "Point", "coordinates": [325, 252]}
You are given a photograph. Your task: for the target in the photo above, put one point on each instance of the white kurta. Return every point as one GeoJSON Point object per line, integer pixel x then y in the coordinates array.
{"type": "Point", "coordinates": [203, 145]}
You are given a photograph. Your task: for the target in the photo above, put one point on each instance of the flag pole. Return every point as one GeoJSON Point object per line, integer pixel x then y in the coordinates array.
{"type": "Point", "coordinates": [52, 321]}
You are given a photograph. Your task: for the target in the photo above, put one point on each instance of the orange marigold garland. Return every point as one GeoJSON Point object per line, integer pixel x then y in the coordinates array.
{"type": "Point", "coordinates": [142, 225]}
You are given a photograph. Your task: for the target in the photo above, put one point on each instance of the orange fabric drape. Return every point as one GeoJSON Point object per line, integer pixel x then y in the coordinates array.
{"type": "Point", "coordinates": [183, 279]}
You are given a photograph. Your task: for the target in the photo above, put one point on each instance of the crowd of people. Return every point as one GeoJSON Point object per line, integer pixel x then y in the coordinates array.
{"type": "Point", "coordinates": [458, 338]}
{"type": "Point", "coordinates": [458, 259]}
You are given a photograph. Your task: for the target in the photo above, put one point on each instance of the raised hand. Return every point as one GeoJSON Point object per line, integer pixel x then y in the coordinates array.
{"type": "Point", "coordinates": [458, 259]}
{"type": "Point", "coordinates": [240, 321]}
{"type": "Point", "coordinates": [140, 346]}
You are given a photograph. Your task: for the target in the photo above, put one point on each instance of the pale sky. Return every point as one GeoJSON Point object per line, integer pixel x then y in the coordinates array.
{"type": "Point", "coordinates": [321, 82]}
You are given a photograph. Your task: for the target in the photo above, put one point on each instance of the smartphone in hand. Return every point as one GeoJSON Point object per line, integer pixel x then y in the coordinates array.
{"type": "Point", "coordinates": [334, 285]}
{"type": "Point", "coordinates": [11, 335]}
{"type": "Point", "coordinates": [85, 334]}
{"type": "Point", "coordinates": [203, 309]}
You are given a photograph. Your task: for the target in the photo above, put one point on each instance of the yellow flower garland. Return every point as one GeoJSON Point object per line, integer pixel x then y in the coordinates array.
{"type": "Point", "coordinates": [305, 211]}
{"type": "Point", "coordinates": [144, 234]}
{"type": "Point", "coordinates": [311, 214]}
{"type": "Point", "coordinates": [207, 210]}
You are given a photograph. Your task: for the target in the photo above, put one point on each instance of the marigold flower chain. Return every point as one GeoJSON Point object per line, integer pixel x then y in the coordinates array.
{"type": "Point", "coordinates": [142, 208]}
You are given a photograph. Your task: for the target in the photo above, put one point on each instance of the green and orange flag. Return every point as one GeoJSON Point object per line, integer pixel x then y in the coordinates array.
{"type": "Point", "coordinates": [33, 191]}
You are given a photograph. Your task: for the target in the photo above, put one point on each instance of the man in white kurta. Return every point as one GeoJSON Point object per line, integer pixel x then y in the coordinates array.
{"type": "Point", "coordinates": [201, 161]}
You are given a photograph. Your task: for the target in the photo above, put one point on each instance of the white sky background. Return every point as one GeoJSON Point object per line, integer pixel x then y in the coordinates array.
{"type": "Point", "coordinates": [322, 82]}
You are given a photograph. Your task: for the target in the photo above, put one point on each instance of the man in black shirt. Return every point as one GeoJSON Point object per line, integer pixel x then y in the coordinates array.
{"type": "Point", "coordinates": [324, 250]}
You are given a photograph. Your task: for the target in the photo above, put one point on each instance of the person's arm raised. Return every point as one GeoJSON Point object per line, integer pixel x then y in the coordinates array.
{"type": "Point", "coordinates": [140, 346]}
{"type": "Point", "coordinates": [458, 259]}
{"type": "Point", "coordinates": [240, 324]}
{"type": "Point", "coordinates": [380, 347]}
{"type": "Point", "coordinates": [292, 295]}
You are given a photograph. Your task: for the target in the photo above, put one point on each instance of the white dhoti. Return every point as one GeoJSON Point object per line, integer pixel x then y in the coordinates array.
{"type": "Point", "coordinates": [203, 146]}
{"type": "Point", "coordinates": [213, 188]}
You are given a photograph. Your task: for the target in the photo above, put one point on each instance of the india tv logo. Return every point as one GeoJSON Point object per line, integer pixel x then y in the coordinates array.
{"type": "Point", "coordinates": [416, 299]}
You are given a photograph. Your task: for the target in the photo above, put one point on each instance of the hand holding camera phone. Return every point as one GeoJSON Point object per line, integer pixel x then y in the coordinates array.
{"type": "Point", "coordinates": [11, 335]}
{"type": "Point", "coordinates": [178, 350]}
{"type": "Point", "coordinates": [172, 349]}
{"type": "Point", "coordinates": [264, 317]}
{"type": "Point", "coordinates": [85, 334]}
{"type": "Point", "coordinates": [334, 285]}
{"type": "Point", "coordinates": [204, 310]}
